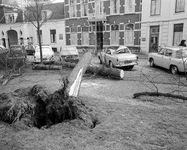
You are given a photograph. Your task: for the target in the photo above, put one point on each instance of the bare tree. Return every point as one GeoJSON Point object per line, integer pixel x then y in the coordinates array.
{"type": "Point", "coordinates": [37, 12]}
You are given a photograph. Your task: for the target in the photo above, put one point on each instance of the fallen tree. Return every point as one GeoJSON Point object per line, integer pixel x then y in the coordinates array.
{"type": "Point", "coordinates": [36, 106]}
{"type": "Point", "coordinates": [92, 68]}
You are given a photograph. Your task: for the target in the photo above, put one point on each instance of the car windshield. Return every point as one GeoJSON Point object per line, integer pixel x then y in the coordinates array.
{"type": "Point", "coordinates": [44, 49]}
{"type": "Point", "coordinates": [122, 51]}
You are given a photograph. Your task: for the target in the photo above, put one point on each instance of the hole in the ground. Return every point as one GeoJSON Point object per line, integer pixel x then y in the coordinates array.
{"type": "Point", "coordinates": [35, 107]}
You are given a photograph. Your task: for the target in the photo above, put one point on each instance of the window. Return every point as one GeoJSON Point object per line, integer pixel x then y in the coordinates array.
{"type": "Point", "coordinates": [84, 8]}
{"type": "Point", "coordinates": [114, 39]}
{"type": "Point", "coordinates": [155, 7]}
{"type": "Point", "coordinates": [46, 14]}
{"type": "Point", "coordinates": [114, 7]}
{"type": "Point", "coordinates": [21, 41]}
{"type": "Point", "coordinates": [40, 36]}
{"type": "Point", "coordinates": [178, 34]}
{"type": "Point", "coordinates": [53, 36]}
{"type": "Point", "coordinates": [168, 53]}
{"type": "Point", "coordinates": [73, 36]}
{"type": "Point", "coordinates": [72, 8]}
{"type": "Point", "coordinates": [129, 6]}
{"type": "Point", "coordinates": [162, 51]}
{"type": "Point", "coordinates": [180, 6]}
{"type": "Point", "coordinates": [31, 40]}
{"type": "Point", "coordinates": [11, 17]}
{"type": "Point", "coordinates": [85, 36]}
{"type": "Point", "coordinates": [99, 9]}
{"type": "Point", "coordinates": [129, 34]}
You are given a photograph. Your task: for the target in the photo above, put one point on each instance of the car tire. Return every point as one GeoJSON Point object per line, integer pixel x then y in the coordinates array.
{"type": "Point", "coordinates": [130, 67]}
{"type": "Point", "coordinates": [151, 62]}
{"type": "Point", "coordinates": [111, 64]}
{"type": "Point", "coordinates": [174, 70]}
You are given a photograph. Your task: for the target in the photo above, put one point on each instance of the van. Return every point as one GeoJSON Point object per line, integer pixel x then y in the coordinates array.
{"type": "Point", "coordinates": [69, 54]}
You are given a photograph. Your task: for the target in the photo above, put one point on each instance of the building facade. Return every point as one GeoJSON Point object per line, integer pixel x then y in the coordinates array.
{"type": "Point", "coordinates": [15, 28]}
{"type": "Point", "coordinates": [95, 24]}
{"type": "Point", "coordinates": [164, 23]}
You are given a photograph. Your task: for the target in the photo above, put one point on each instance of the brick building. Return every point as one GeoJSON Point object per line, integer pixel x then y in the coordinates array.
{"type": "Point", "coordinates": [100, 23]}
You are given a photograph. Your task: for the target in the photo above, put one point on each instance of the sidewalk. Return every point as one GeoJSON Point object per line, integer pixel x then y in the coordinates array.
{"type": "Point", "coordinates": [142, 56]}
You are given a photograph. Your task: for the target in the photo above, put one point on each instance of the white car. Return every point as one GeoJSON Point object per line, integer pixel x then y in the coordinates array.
{"type": "Point", "coordinates": [47, 54]}
{"type": "Point", "coordinates": [120, 57]}
{"type": "Point", "coordinates": [171, 58]}
{"type": "Point", "coordinates": [69, 54]}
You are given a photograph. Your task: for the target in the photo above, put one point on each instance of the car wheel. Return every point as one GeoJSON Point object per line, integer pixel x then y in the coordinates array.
{"type": "Point", "coordinates": [111, 64]}
{"type": "Point", "coordinates": [130, 67]}
{"type": "Point", "coordinates": [151, 62]}
{"type": "Point", "coordinates": [174, 70]}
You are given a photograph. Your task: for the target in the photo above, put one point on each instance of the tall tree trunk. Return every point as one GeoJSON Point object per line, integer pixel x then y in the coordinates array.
{"type": "Point", "coordinates": [75, 76]}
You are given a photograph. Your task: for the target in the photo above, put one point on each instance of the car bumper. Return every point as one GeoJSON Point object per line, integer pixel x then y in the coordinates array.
{"type": "Point", "coordinates": [45, 60]}
{"type": "Point", "coordinates": [127, 64]}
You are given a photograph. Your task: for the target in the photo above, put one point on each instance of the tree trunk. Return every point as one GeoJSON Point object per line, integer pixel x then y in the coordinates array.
{"type": "Point", "coordinates": [92, 68]}
{"type": "Point", "coordinates": [104, 71]}
{"type": "Point", "coordinates": [75, 76]}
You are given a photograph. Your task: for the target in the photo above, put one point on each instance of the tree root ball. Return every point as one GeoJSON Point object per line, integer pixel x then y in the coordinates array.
{"type": "Point", "coordinates": [37, 107]}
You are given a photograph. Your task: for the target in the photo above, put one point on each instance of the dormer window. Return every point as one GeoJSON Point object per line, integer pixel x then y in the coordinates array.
{"type": "Point", "coordinates": [11, 17]}
{"type": "Point", "coordinates": [46, 14]}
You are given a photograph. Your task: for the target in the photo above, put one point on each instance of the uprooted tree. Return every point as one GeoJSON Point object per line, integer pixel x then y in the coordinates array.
{"type": "Point", "coordinates": [35, 106]}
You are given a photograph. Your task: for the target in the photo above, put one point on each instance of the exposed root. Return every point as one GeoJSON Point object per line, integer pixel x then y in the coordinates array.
{"type": "Point", "coordinates": [35, 106]}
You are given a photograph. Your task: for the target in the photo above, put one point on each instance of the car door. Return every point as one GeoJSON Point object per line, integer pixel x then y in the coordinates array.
{"type": "Point", "coordinates": [108, 56]}
{"type": "Point", "coordinates": [159, 57]}
{"type": "Point", "coordinates": [167, 58]}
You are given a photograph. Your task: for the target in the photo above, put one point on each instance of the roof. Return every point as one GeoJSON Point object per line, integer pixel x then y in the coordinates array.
{"type": "Point", "coordinates": [175, 48]}
{"type": "Point", "coordinates": [57, 10]}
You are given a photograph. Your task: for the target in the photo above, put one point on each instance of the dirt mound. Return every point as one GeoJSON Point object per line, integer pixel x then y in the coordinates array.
{"type": "Point", "coordinates": [37, 107]}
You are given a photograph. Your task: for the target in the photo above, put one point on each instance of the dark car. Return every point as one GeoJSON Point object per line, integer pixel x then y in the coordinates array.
{"type": "Point", "coordinates": [16, 52]}
{"type": "Point", "coordinates": [30, 49]}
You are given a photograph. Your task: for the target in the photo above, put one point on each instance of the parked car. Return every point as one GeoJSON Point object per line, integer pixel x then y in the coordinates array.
{"type": "Point", "coordinates": [120, 57]}
{"type": "Point", "coordinates": [47, 54]}
{"type": "Point", "coordinates": [69, 54]}
{"type": "Point", "coordinates": [16, 51]}
{"type": "Point", "coordinates": [171, 58]}
{"type": "Point", "coordinates": [30, 49]}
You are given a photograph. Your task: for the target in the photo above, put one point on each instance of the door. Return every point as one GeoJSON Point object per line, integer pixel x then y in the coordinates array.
{"type": "Point", "coordinates": [12, 37]}
{"type": "Point", "coordinates": [154, 39]}
{"type": "Point", "coordinates": [167, 59]}
{"type": "Point", "coordinates": [108, 56]}
{"type": "Point", "coordinates": [158, 59]}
